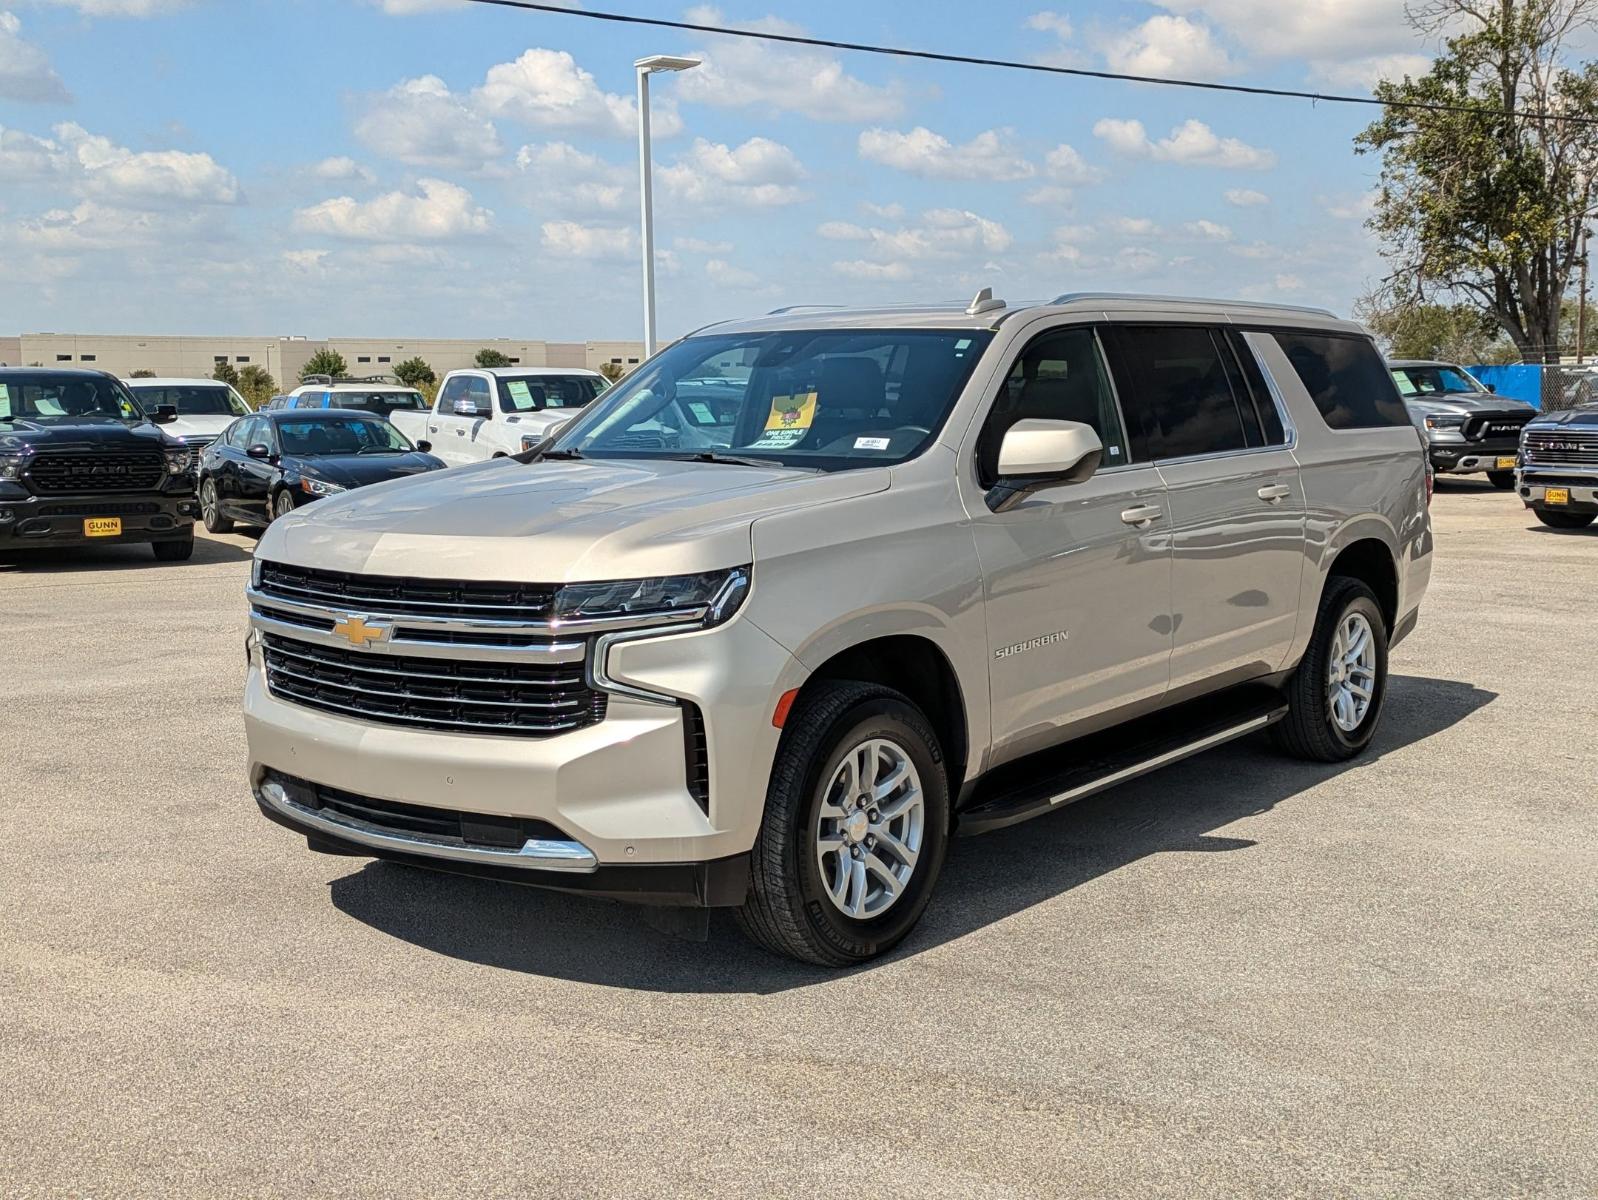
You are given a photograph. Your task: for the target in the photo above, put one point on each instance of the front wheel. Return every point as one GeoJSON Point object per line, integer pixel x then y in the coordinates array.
{"type": "Point", "coordinates": [855, 830]}
{"type": "Point", "coordinates": [1564, 520]}
{"type": "Point", "coordinates": [280, 505]}
{"type": "Point", "coordinates": [1335, 697]}
{"type": "Point", "coordinates": [1502, 480]}
{"type": "Point", "coordinates": [211, 508]}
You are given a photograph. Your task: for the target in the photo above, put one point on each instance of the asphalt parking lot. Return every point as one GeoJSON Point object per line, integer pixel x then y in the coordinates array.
{"type": "Point", "coordinates": [1243, 976]}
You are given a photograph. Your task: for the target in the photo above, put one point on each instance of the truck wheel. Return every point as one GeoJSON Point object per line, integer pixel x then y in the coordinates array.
{"type": "Point", "coordinates": [211, 508]}
{"type": "Point", "coordinates": [178, 551]}
{"type": "Point", "coordinates": [1335, 697]}
{"type": "Point", "coordinates": [1563, 520]}
{"type": "Point", "coordinates": [1502, 480]}
{"type": "Point", "coordinates": [855, 829]}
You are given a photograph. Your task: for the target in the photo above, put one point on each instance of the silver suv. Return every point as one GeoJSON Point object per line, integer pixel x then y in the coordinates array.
{"type": "Point", "coordinates": [807, 594]}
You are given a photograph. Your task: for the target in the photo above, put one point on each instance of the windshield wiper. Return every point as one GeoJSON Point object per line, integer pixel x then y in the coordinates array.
{"type": "Point", "coordinates": [732, 460]}
{"type": "Point", "coordinates": [560, 456]}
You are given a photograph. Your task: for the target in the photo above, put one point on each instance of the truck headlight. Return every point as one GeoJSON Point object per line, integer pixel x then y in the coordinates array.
{"type": "Point", "coordinates": [317, 487]}
{"type": "Point", "coordinates": [714, 597]}
{"type": "Point", "coordinates": [1445, 421]}
{"type": "Point", "coordinates": [11, 466]}
{"type": "Point", "coordinates": [180, 461]}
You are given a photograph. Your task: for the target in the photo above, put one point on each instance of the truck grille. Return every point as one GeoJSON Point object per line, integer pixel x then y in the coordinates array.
{"type": "Point", "coordinates": [61, 471]}
{"type": "Point", "coordinates": [443, 825]}
{"type": "Point", "coordinates": [1490, 427]}
{"type": "Point", "coordinates": [396, 596]}
{"type": "Point", "coordinates": [1551, 449]}
{"type": "Point", "coordinates": [457, 696]}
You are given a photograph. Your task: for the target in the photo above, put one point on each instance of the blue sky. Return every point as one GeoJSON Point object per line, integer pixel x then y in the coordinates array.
{"type": "Point", "coordinates": [431, 168]}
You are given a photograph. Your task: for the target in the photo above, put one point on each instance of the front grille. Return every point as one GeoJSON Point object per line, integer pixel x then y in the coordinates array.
{"type": "Point", "coordinates": [90, 471]}
{"type": "Point", "coordinates": [99, 508]}
{"type": "Point", "coordinates": [396, 596]}
{"type": "Point", "coordinates": [1489, 427]}
{"type": "Point", "coordinates": [1551, 449]}
{"type": "Point", "coordinates": [458, 696]}
{"type": "Point", "coordinates": [436, 824]}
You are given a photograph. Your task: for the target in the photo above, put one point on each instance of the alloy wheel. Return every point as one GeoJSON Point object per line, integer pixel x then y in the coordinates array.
{"type": "Point", "coordinates": [870, 828]}
{"type": "Point", "coordinates": [1351, 672]}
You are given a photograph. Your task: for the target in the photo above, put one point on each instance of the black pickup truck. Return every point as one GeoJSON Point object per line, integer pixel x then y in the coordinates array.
{"type": "Point", "coordinates": [82, 463]}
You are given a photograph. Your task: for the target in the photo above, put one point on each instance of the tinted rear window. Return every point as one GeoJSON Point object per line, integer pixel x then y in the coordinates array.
{"type": "Point", "coordinates": [1346, 378]}
{"type": "Point", "coordinates": [1177, 393]}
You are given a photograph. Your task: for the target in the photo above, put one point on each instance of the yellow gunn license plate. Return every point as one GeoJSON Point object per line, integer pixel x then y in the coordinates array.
{"type": "Point", "coordinates": [1506, 464]}
{"type": "Point", "coordinates": [102, 527]}
{"type": "Point", "coordinates": [1556, 496]}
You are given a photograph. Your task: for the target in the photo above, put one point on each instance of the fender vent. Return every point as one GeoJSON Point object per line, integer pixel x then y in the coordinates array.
{"type": "Point", "coordinates": [697, 751]}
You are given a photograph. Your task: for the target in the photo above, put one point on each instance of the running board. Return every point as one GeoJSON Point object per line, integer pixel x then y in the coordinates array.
{"type": "Point", "coordinates": [1029, 788]}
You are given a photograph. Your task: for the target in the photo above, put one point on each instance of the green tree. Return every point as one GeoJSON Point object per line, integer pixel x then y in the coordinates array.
{"type": "Point", "coordinates": [1452, 332]}
{"type": "Point", "coordinates": [256, 385]}
{"type": "Point", "coordinates": [1482, 207]}
{"type": "Point", "coordinates": [325, 362]}
{"type": "Point", "coordinates": [491, 358]}
{"type": "Point", "coordinates": [414, 372]}
{"type": "Point", "coordinates": [143, 373]}
{"type": "Point", "coordinates": [226, 373]}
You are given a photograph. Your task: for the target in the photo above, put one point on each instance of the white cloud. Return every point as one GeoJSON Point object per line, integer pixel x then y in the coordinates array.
{"type": "Point", "coordinates": [941, 234]}
{"type": "Point", "coordinates": [990, 155]}
{"type": "Point", "coordinates": [1311, 29]}
{"type": "Point", "coordinates": [724, 274]}
{"type": "Point", "coordinates": [1061, 53]}
{"type": "Point", "coordinates": [121, 8]}
{"type": "Point", "coordinates": [1166, 46]}
{"type": "Point", "coordinates": [1289, 283]}
{"type": "Point", "coordinates": [440, 212]}
{"type": "Point", "coordinates": [408, 8]}
{"type": "Point", "coordinates": [25, 71]}
{"type": "Point", "coordinates": [861, 269]}
{"type": "Point", "coordinates": [421, 123]}
{"type": "Point", "coordinates": [1365, 73]}
{"type": "Point", "coordinates": [1050, 194]}
{"type": "Point", "coordinates": [546, 89]}
{"type": "Point", "coordinates": [760, 173]}
{"type": "Point", "coordinates": [572, 239]}
{"type": "Point", "coordinates": [91, 225]}
{"type": "Point", "coordinates": [693, 245]}
{"type": "Point", "coordinates": [574, 180]}
{"type": "Point", "coordinates": [151, 177]}
{"type": "Point", "coordinates": [1067, 165]}
{"type": "Point", "coordinates": [1138, 227]}
{"type": "Point", "coordinates": [1246, 198]}
{"type": "Point", "coordinates": [888, 212]}
{"type": "Point", "coordinates": [1210, 231]}
{"type": "Point", "coordinates": [1190, 144]}
{"type": "Point", "coordinates": [23, 156]}
{"type": "Point", "coordinates": [1342, 208]}
{"type": "Point", "coordinates": [843, 231]}
{"type": "Point", "coordinates": [343, 169]}
{"type": "Point", "coordinates": [305, 260]}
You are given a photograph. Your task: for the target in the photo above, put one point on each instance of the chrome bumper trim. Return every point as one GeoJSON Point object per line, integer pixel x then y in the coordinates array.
{"type": "Point", "coordinates": [535, 854]}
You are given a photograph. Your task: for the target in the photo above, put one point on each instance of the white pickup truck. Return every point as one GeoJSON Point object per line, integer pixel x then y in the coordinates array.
{"type": "Point", "coordinates": [488, 413]}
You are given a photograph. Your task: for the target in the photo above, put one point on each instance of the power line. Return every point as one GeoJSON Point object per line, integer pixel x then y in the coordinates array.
{"type": "Point", "coordinates": [1037, 68]}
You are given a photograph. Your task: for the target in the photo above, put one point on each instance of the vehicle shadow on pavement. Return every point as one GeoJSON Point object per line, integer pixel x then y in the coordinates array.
{"type": "Point", "coordinates": [987, 879]}
{"type": "Point", "coordinates": [207, 552]}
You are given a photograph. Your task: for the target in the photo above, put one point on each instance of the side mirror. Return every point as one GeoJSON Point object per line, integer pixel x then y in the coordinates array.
{"type": "Point", "coordinates": [1037, 454]}
{"type": "Point", "coordinates": [259, 450]}
{"type": "Point", "coordinates": [467, 408]}
{"type": "Point", "coordinates": [1492, 388]}
{"type": "Point", "coordinates": [164, 414]}
{"type": "Point", "coordinates": [425, 447]}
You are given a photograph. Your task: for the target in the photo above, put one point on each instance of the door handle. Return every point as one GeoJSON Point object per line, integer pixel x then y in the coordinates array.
{"type": "Point", "coordinates": [1275, 493]}
{"type": "Point", "coordinates": [1143, 516]}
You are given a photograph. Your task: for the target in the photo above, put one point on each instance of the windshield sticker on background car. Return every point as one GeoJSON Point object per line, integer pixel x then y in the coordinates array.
{"type": "Point", "coordinates": [520, 392]}
{"type": "Point", "coordinates": [870, 443]}
{"type": "Point", "coordinates": [702, 413]}
{"type": "Point", "coordinates": [790, 420]}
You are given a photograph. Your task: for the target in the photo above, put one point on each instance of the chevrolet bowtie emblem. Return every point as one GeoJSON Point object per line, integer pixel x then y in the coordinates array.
{"type": "Point", "coordinates": [360, 634]}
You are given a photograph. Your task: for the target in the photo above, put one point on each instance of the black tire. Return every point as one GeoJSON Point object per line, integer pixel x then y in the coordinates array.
{"type": "Point", "coordinates": [281, 504]}
{"type": "Point", "coordinates": [788, 910]}
{"type": "Point", "coordinates": [1564, 520]}
{"type": "Point", "coordinates": [1504, 481]}
{"type": "Point", "coordinates": [211, 510]}
{"type": "Point", "coordinates": [175, 551]}
{"type": "Point", "coordinates": [1309, 731]}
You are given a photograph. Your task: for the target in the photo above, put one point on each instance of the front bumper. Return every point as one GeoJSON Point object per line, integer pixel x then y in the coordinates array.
{"type": "Point", "coordinates": [1471, 458]}
{"type": "Point", "coordinates": [28, 521]}
{"type": "Point", "coordinates": [1583, 496]}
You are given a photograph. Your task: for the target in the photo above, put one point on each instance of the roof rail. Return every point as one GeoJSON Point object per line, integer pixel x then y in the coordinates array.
{"type": "Point", "coordinates": [793, 308]}
{"type": "Point", "coordinates": [330, 380]}
{"type": "Point", "coordinates": [1077, 297]}
{"type": "Point", "coordinates": [984, 303]}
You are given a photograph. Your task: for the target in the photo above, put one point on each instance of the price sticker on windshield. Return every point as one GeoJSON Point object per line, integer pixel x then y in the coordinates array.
{"type": "Point", "coordinates": [789, 421]}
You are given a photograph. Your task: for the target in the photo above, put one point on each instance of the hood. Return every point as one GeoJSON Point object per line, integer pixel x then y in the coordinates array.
{"type": "Point", "coordinates": [1466, 403]}
{"type": "Point", "coordinates": [359, 470]}
{"type": "Point", "coordinates": [1584, 417]}
{"type": "Point", "coordinates": [203, 426]}
{"type": "Point", "coordinates": [111, 435]}
{"type": "Point", "coordinates": [556, 522]}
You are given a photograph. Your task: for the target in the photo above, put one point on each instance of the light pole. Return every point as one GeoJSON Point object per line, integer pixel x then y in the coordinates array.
{"type": "Point", "coordinates": [647, 67]}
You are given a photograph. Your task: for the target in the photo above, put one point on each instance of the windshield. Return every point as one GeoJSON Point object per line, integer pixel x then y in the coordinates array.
{"type": "Point", "coordinates": [46, 399]}
{"type": "Point", "coordinates": [193, 400]}
{"type": "Point", "coordinates": [828, 399]}
{"type": "Point", "coordinates": [538, 392]}
{"type": "Point", "coordinates": [356, 435]}
{"type": "Point", "coordinates": [382, 402]}
{"type": "Point", "coordinates": [1434, 381]}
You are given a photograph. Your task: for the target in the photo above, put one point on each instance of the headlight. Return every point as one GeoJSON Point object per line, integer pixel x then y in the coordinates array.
{"type": "Point", "coordinates": [530, 443]}
{"type": "Point", "coordinates": [180, 461]}
{"type": "Point", "coordinates": [11, 466]}
{"type": "Point", "coordinates": [316, 487]}
{"type": "Point", "coordinates": [1445, 421]}
{"type": "Point", "coordinates": [716, 596]}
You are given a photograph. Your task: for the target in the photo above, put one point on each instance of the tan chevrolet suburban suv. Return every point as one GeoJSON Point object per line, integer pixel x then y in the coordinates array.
{"type": "Point", "coordinates": [808, 594]}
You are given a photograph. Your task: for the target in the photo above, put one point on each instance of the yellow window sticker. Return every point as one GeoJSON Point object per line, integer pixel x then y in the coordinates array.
{"type": "Point", "coordinates": [792, 412]}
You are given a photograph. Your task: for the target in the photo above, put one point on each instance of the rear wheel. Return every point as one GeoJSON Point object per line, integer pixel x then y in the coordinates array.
{"type": "Point", "coordinates": [211, 508]}
{"type": "Point", "coordinates": [175, 551]}
{"type": "Point", "coordinates": [855, 829]}
{"type": "Point", "coordinates": [1564, 520]}
{"type": "Point", "coordinates": [1335, 697]}
{"type": "Point", "coordinates": [1502, 480]}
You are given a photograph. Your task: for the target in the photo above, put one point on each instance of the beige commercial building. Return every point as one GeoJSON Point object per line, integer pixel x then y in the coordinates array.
{"type": "Point", "coordinates": [285, 357]}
